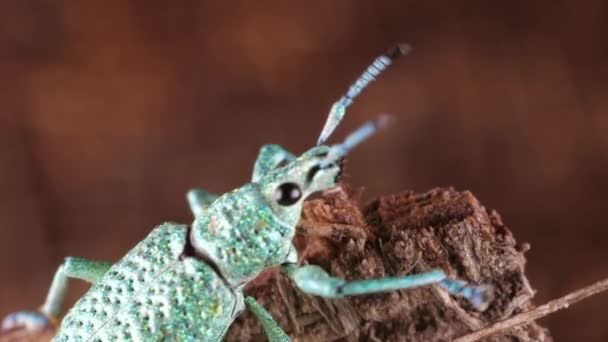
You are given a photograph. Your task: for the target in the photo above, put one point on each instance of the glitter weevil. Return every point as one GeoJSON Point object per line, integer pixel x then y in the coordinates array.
{"type": "Point", "coordinates": [185, 283]}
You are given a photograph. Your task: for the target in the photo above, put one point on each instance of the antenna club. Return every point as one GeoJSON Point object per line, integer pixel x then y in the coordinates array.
{"type": "Point", "coordinates": [399, 50]}
{"type": "Point", "coordinates": [383, 121]}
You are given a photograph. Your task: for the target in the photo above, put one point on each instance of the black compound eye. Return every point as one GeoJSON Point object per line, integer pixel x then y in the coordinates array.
{"type": "Point", "coordinates": [287, 194]}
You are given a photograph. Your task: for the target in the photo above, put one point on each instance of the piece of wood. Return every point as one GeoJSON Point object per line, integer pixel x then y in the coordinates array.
{"type": "Point", "coordinates": [396, 235]}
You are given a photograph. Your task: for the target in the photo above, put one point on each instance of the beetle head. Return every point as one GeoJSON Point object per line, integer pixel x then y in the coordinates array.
{"type": "Point", "coordinates": [318, 169]}
{"type": "Point", "coordinates": [285, 188]}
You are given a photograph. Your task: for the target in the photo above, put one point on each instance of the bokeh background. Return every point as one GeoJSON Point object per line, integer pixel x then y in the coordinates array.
{"type": "Point", "coordinates": [111, 110]}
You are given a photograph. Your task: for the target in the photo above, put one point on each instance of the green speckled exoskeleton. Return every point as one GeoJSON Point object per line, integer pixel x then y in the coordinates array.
{"type": "Point", "coordinates": [185, 283]}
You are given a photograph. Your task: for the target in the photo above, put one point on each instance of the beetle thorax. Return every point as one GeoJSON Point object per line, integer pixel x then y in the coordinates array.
{"type": "Point", "coordinates": [242, 235]}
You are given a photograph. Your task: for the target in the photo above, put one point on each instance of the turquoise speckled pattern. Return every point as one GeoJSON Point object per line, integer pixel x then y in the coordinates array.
{"type": "Point", "coordinates": [242, 239]}
{"type": "Point", "coordinates": [153, 294]}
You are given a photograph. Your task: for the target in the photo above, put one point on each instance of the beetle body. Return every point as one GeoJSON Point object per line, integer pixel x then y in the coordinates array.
{"type": "Point", "coordinates": [185, 282]}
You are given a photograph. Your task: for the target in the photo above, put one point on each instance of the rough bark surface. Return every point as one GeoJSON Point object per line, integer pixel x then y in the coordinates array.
{"type": "Point", "coordinates": [395, 235]}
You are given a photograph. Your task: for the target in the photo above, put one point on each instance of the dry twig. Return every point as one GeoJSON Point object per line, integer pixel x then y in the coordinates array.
{"type": "Point", "coordinates": [541, 311]}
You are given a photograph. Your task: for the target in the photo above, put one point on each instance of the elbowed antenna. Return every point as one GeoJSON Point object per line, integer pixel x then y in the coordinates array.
{"type": "Point", "coordinates": [355, 138]}
{"type": "Point", "coordinates": [338, 109]}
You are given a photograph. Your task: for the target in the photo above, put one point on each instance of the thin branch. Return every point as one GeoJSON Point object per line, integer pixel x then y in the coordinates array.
{"type": "Point", "coordinates": [541, 311]}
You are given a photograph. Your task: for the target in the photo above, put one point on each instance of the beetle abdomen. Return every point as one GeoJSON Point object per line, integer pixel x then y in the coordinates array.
{"type": "Point", "coordinates": [153, 293]}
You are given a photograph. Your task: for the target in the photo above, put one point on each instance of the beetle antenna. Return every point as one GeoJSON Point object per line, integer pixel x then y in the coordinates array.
{"type": "Point", "coordinates": [338, 109]}
{"type": "Point", "coordinates": [355, 138]}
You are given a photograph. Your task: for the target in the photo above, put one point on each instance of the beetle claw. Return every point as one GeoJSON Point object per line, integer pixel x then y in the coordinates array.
{"type": "Point", "coordinates": [28, 320]}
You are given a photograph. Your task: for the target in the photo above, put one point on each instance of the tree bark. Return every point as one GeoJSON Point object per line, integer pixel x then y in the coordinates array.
{"type": "Point", "coordinates": [397, 235]}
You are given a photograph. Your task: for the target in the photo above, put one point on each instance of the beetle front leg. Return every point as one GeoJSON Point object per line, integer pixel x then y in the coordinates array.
{"type": "Point", "coordinates": [314, 280]}
{"type": "Point", "coordinates": [72, 267]}
{"type": "Point", "coordinates": [269, 158]}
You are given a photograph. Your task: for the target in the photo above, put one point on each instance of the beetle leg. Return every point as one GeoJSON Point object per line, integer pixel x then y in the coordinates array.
{"type": "Point", "coordinates": [79, 268]}
{"type": "Point", "coordinates": [272, 329]}
{"type": "Point", "coordinates": [314, 280]}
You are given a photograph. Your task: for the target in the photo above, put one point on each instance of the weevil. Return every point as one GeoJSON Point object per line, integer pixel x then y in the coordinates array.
{"type": "Point", "coordinates": [185, 282]}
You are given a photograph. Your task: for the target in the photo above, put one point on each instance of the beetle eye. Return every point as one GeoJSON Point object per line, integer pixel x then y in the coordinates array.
{"type": "Point", "coordinates": [287, 194]}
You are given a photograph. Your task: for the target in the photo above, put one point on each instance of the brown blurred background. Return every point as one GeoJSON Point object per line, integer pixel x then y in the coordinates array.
{"type": "Point", "coordinates": [110, 111]}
